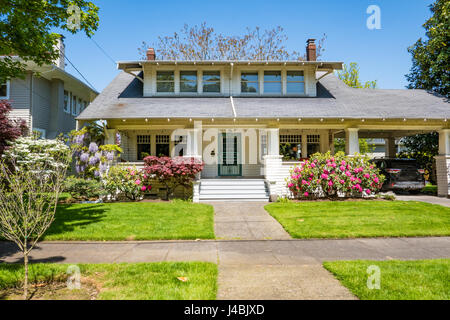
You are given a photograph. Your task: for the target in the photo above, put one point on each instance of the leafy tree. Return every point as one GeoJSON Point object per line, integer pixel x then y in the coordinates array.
{"type": "Point", "coordinates": [201, 42]}
{"type": "Point", "coordinates": [9, 129]}
{"type": "Point", "coordinates": [29, 193]}
{"type": "Point", "coordinates": [350, 76]}
{"type": "Point", "coordinates": [25, 31]}
{"type": "Point", "coordinates": [431, 56]}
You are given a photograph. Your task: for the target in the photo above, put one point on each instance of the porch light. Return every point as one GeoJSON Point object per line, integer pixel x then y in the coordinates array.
{"type": "Point", "coordinates": [124, 120]}
{"type": "Point", "coordinates": [342, 120]}
{"type": "Point", "coordinates": [256, 119]}
{"type": "Point", "coordinates": [321, 120]}
{"type": "Point", "coordinates": [299, 119]}
{"type": "Point", "coordinates": [445, 120]}
{"type": "Point", "coordinates": [363, 120]}
{"type": "Point", "coordinates": [425, 120]}
{"type": "Point", "coordinates": [234, 120]}
{"type": "Point", "coordinates": [190, 119]}
{"type": "Point", "coordinates": [404, 120]}
{"type": "Point", "coordinates": [278, 120]}
{"type": "Point", "coordinates": [146, 120]}
{"type": "Point", "coordinates": [384, 119]}
{"type": "Point", "coordinates": [212, 120]}
{"type": "Point", "coordinates": [168, 120]}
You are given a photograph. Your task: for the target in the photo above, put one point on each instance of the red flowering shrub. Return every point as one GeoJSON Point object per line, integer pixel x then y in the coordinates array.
{"type": "Point", "coordinates": [325, 175]}
{"type": "Point", "coordinates": [173, 172]}
{"type": "Point", "coordinates": [10, 130]}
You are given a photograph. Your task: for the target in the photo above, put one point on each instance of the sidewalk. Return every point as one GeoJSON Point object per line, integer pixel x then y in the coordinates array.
{"type": "Point", "coordinates": [424, 198]}
{"type": "Point", "coordinates": [284, 269]}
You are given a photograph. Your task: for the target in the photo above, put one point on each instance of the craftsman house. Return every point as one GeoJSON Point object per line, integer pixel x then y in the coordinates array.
{"type": "Point", "coordinates": [252, 121]}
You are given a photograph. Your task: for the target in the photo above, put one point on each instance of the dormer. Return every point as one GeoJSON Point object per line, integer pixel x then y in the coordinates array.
{"type": "Point", "coordinates": [168, 78]}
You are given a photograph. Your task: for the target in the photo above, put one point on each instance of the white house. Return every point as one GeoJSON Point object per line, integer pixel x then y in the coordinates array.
{"type": "Point", "coordinates": [251, 121]}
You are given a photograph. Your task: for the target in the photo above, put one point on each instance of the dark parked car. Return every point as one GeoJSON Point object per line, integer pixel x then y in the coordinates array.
{"type": "Point", "coordinates": [401, 174]}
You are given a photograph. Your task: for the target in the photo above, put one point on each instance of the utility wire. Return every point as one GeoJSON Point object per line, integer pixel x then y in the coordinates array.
{"type": "Point", "coordinates": [65, 56]}
{"type": "Point", "coordinates": [104, 51]}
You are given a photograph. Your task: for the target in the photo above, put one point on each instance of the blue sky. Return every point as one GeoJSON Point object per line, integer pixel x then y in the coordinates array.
{"type": "Point", "coordinates": [381, 54]}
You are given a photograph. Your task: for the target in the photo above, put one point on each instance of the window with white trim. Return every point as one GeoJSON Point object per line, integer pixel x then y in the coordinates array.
{"type": "Point", "coordinates": [249, 82]}
{"type": "Point", "coordinates": [143, 146]}
{"type": "Point", "coordinates": [291, 146]}
{"type": "Point", "coordinates": [263, 145]}
{"type": "Point", "coordinates": [313, 144]}
{"type": "Point", "coordinates": [74, 105]}
{"type": "Point", "coordinates": [165, 82]}
{"type": "Point", "coordinates": [66, 101]}
{"type": "Point", "coordinates": [272, 82]}
{"type": "Point", "coordinates": [4, 90]}
{"type": "Point", "coordinates": [211, 81]}
{"type": "Point", "coordinates": [162, 145]}
{"type": "Point", "coordinates": [295, 82]}
{"type": "Point", "coordinates": [188, 81]}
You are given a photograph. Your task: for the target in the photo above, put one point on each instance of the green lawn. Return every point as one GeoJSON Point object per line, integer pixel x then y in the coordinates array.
{"type": "Point", "coordinates": [353, 219]}
{"type": "Point", "coordinates": [399, 280]}
{"type": "Point", "coordinates": [132, 221]}
{"type": "Point", "coordinates": [140, 281]}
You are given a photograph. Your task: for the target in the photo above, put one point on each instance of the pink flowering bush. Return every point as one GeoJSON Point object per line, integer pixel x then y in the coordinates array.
{"type": "Point", "coordinates": [330, 176]}
{"type": "Point", "coordinates": [126, 182]}
{"type": "Point", "coordinates": [172, 172]}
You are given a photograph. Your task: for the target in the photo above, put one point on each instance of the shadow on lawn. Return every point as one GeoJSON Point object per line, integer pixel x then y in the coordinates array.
{"type": "Point", "coordinates": [69, 217]}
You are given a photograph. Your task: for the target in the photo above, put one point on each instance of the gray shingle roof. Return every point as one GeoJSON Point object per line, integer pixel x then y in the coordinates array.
{"type": "Point", "coordinates": [123, 99]}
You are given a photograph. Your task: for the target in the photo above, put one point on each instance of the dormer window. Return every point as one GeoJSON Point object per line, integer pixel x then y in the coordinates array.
{"type": "Point", "coordinates": [295, 82]}
{"type": "Point", "coordinates": [211, 81]}
{"type": "Point", "coordinates": [272, 82]}
{"type": "Point", "coordinates": [249, 82]}
{"type": "Point", "coordinates": [165, 81]}
{"type": "Point", "coordinates": [188, 81]}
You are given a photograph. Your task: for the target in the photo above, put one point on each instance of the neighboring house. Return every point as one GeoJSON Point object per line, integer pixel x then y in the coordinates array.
{"type": "Point", "coordinates": [48, 98]}
{"type": "Point", "coordinates": [254, 120]}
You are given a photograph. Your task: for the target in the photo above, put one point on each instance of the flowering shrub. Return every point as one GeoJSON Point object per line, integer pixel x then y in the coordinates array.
{"type": "Point", "coordinates": [128, 182]}
{"type": "Point", "coordinates": [9, 129]}
{"type": "Point", "coordinates": [92, 160]}
{"type": "Point", "coordinates": [325, 175]}
{"type": "Point", "coordinates": [27, 152]}
{"type": "Point", "coordinates": [172, 172]}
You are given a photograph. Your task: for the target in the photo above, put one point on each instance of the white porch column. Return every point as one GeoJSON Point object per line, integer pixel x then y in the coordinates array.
{"type": "Point", "coordinates": [390, 147]}
{"type": "Point", "coordinates": [351, 141]}
{"type": "Point", "coordinates": [194, 142]}
{"type": "Point", "coordinates": [443, 164]}
{"type": "Point", "coordinates": [273, 163]}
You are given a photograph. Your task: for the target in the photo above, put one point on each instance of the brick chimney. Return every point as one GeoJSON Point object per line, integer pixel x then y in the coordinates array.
{"type": "Point", "coordinates": [151, 54]}
{"type": "Point", "coordinates": [311, 54]}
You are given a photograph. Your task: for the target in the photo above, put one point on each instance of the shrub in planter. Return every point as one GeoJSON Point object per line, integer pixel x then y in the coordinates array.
{"type": "Point", "coordinates": [330, 176]}
{"type": "Point", "coordinates": [83, 189]}
{"type": "Point", "coordinates": [172, 172]}
{"type": "Point", "coordinates": [126, 182]}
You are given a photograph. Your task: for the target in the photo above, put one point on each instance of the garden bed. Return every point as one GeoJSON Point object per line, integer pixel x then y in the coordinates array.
{"type": "Point", "coordinates": [140, 281]}
{"type": "Point", "coordinates": [354, 219]}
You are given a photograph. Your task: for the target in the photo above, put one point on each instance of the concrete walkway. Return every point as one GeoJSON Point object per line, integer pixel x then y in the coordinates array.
{"type": "Point", "coordinates": [424, 198]}
{"type": "Point", "coordinates": [289, 269]}
{"type": "Point", "coordinates": [246, 221]}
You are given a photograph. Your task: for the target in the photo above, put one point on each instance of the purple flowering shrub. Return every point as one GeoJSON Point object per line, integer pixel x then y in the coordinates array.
{"type": "Point", "coordinates": [92, 160]}
{"type": "Point", "coordinates": [325, 175]}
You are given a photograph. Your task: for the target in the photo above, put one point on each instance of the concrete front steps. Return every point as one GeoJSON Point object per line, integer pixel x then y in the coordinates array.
{"type": "Point", "coordinates": [233, 190]}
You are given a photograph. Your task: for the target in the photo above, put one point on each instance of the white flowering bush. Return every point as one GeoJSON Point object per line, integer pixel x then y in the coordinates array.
{"type": "Point", "coordinates": [27, 152]}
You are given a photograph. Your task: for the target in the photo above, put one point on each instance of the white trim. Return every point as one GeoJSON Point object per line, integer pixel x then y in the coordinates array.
{"type": "Point", "coordinates": [8, 88]}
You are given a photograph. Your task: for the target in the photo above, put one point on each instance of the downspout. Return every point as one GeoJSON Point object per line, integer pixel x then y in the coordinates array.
{"type": "Point", "coordinates": [31, 104]}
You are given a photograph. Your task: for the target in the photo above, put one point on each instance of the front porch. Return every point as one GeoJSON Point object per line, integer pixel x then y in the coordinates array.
{"type": "Point", "coordinates": [264, 149]}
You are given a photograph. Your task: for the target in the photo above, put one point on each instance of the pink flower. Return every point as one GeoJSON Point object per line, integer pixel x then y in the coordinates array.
{"type": "Point", "coordinates": [368, 191]}
{"type": "Point", "coordinates": [313, 165]}
{"type": "Point", "coordinates": [304, 182]}
{"type": "Point", "coordinates": [324, 176]}
{"type": "Point", "coordinates": [367, 176]}
{"type": "Point", "coordinates": [334, 165]}
{"type": "Point", "coordinates": [342, 168]}
{"type": "Point", "coordinates": [290, 185]}
{"type": "Point", "coordinates": [343, 163]}
{"type": "Point", "coordinates": [144, 188]}
{"type": "Point", "coordinates": [348, 174]}
{"type": "Point", "coordinates": [138, 182]}
{"type": "Point", "coordinates": [376, 180]}
{"type": "Point", "coordinates": [306, 194]}
{"type": "Point", "coordinates": [330, 183]}
{"type": "Point", "coordinates": [133, 173]}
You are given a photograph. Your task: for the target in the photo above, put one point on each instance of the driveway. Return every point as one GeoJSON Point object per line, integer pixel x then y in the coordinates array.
{"type": "Point", "coordinates": [424, 198]}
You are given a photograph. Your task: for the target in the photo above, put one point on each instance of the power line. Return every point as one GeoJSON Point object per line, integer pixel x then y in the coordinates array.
{"type": "Point", "coordinates": [104, 51]}
{"type": "Point", "coordinates": [65, 56]}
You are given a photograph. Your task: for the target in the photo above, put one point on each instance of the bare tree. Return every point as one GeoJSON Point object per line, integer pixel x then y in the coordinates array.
{"type": "Point", "coordinates": [28, 200]}
{"type": "Point", "coordinates": [201, 42]}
